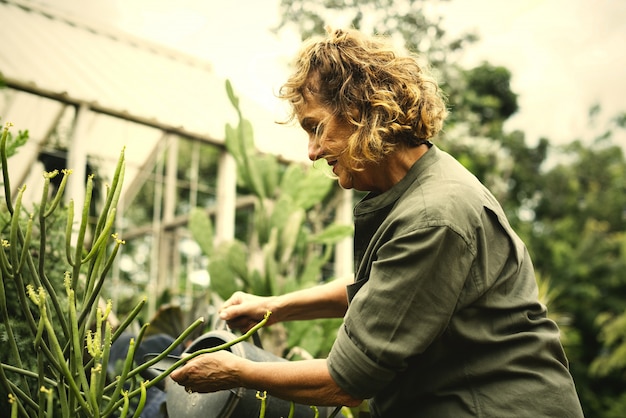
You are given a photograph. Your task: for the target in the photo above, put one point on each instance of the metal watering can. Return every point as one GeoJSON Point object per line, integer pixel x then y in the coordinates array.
{"type": "Point", "coordinates": [234, 403]}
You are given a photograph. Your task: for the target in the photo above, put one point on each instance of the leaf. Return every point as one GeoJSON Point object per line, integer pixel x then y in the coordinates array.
{"type": "Point", "coordinates": [228, 269]}
{"type": "Point", "coordinates": [305, 188]}
{"type": "Point", "coordinates": [292, 179]}
{"type": "Point", "coordinates": [312, 270]}
{"type": "Point", "coordinates": [239, 142]}
{"type": "Point", "coordinates": [237, 257]}
{"type": "Point", "coordinates": [310, 189]}
{"type": "Point", "coordinates": [268, 168]}
{"type": "Point", "coordinates": [332, 234]}
{"type": "Point", "coordinates": [289, 234]}
{"type": "Point", "coordinates": [231, 95]}
{"type": "Point", "coordinates": [201, 230]}
{"type": "Point", "coordinates": [223, 282]}
{"type": "Point", "coordinates": [269, 261]}
{"type": "Point", "coordinates": [258, 284]}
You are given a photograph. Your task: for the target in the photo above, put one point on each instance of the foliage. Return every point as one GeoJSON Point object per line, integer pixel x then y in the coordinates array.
{"type": "Point", "coordinates": [578, 238]}
{"type": "Point", "coordinates": [410, 21]}
{"type": "Point", "coordinates": [285, 250]}
{"type": "Point", "coordinates": [57, 337]}
{"type": "Point", "coordinates": [568, 205]}
{"type": "Point", "coordinates": [15, 142]}
{"type": "Point", "coordinates": [480, 98]}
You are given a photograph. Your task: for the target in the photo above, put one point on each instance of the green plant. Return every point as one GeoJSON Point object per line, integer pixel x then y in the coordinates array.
{"type": "Point", "coordinates": [287, 246]}
{"type": "Point", "coordinates": [68, 326]}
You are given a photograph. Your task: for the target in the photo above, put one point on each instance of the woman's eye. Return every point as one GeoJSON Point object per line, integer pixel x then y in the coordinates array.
{"type": "Point", "coordinates": [317, 130]}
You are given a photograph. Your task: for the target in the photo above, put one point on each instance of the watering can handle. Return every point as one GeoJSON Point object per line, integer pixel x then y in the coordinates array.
{"type": "Point", "coordinates": [256, 339]}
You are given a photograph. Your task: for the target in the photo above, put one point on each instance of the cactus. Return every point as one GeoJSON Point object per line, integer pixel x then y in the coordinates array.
{"type": "Point", "coordinates": [69, 329]}
{"type": "Point", "coordinates": [287, 248]}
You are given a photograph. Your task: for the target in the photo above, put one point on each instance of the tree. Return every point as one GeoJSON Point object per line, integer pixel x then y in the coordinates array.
{"type": "Point", "coordinates": [578, 238]}
{"type": "Point", "coordinates": [411, 22]}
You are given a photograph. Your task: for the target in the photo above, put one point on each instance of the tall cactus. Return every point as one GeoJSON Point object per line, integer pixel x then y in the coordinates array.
{"type": "Point", "coordinates": [286, 250]}
{"type": "Point", "coordinates": [68, 327]}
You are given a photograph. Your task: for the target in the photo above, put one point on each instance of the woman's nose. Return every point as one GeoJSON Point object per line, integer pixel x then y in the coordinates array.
{"type": "Point", "coordinates": [315, 149]}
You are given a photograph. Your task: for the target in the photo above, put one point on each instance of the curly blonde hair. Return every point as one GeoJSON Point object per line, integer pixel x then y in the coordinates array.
{"type": "Point", "coordinates": [389, 98]}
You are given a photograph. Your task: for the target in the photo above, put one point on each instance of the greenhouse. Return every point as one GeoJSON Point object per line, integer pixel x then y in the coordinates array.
{"type": "Point", "coordinates": [86, 93]}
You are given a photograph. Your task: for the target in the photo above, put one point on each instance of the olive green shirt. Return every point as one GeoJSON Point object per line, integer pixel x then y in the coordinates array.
{"type": "Point", "coordinates": [443, 319]}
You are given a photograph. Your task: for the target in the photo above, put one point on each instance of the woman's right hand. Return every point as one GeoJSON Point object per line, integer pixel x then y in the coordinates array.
{"type": "Point", "coordinates": [242, 310]}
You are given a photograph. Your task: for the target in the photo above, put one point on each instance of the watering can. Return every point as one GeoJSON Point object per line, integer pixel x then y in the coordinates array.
{"type": "Point", "coordinates": [237, 402]}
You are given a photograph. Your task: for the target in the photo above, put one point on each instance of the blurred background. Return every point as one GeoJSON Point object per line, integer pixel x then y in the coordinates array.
{"type": "Point", "coordinates": [219, 197]}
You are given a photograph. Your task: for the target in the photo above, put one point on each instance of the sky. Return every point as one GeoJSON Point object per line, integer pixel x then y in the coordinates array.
{"type": "Point", "coordinates": [564, 55]}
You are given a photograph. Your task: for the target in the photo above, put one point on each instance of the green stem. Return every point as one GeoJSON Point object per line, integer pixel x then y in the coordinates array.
{"type": "Point", "coordinates": [5, 264]}
{"type": "Point", "coordinates": [182, 337]}
{"type": "Point", "coordinates": [40, 381]}
{"type": "Point", "coordinates": [20, 395]}
{"type": "Point", "coordinates": [104, 363]}
{"type": "Point", "coordinates": [128, 320]}
{"type": "Point", "coordinates": [49, 404]}
{"type": "Point", "coordinates": [263, 398]}
{"type": "Point", "coordinates": [4, 313]}
{"type": "Point", "coordinates": [92, 291]}
{"type": "Point", "coordinates": [114, 191]}
{"type": "Point", "coordinates": [25, 246]}
{"type": "Point", "coordinates": [142, 400]}
{"type": "Point", "coordinates": [5, 168]}
{"type": "Point", "coordinates": [222, 346]}
{"type": "Point", "coordinates": [21, 296]}
{"type": "Point", "coordinates": [80, 240]}
{"type": "Point", "coordinates": [126, 402]}
{"type": "Point", "coordinates": [187, 357]}
{"type": "Point", "coordinates": [45, 282]}
{"type": "Point", "coordinates": [89, 296]}
{"type": "Point", "coordinates": [15, 224]}
{"type": "Point", "coordinates": [92, 296]}
{"type": "Point", "coordinates": [101, 240]}
{"type": "Point", "coordinates": [62, 395]}
{"type": "Point", "coordinates": [95, 293]}
{"type": "Point", "coordinates": [96, 372]}
{"type": "Point", "coordinates": [68, 233]}
{"type": "Point", "coordinates": [41, 277]}
{"type": "Point", "coordinates": [11, 389]}
{"type": "Point", "coordinates": [58, 351]}
{"type": "Point", "coordinates": [190, 356]}
{"type": "Point", "coordinates": [315, 411]}
{"type": "Point", "coordinates": [128, 363]}
{"type": "Point", "coordinates": [27, 373]}
{"type": "Point", "coordinates": [59, 194]}
{"type": "Point", "coordinates": [77, 349]}
{"type": "Point", "coordinates": [41, 401]}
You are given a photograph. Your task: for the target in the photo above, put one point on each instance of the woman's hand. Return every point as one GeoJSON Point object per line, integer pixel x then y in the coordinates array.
{"type": "Point", "coordinates": [242, 310]}
{"type": "Point", "coordinates": [210, 372]}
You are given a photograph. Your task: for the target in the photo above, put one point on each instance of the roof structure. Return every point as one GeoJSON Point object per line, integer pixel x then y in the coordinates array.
{"type": "Point", "coordinates": [92, 91]}
{"type": "Point", "coordinates": [131, 91]}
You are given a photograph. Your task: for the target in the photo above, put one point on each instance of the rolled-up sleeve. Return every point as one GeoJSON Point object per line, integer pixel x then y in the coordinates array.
{"type": "Point", "coordinates": [353, 371]}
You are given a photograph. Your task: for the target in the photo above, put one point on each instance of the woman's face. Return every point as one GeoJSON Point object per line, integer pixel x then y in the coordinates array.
{"type": "Point", "coordinates": [328, 139]}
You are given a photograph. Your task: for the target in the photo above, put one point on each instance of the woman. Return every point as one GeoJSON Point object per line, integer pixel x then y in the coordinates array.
{"type": "Point", "coordinates": [442, 317]}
